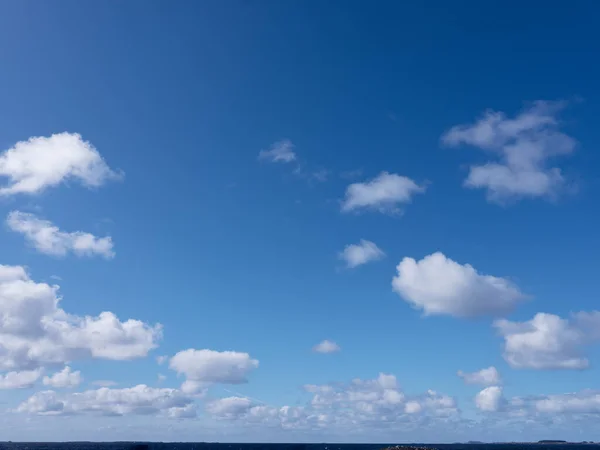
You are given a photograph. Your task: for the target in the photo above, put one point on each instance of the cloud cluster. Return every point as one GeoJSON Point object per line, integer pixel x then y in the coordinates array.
{"type": "Point", "coordinates": [438, 285]}
{"type": "Point", "coordinates": [361, 404]}
{"type": "Point", "coordinates": [386, 193]}
{"type": "Point", "coordinates": [41, 162]}
{"type": "Point", "coordinates": [355, 255]}
{"type": "Point", "coordinates": [525, 145]}
{"type": "Point", "coordinates": [47, 238]}
{"type": "Point", "coordinates": [35, 332]}
{"type": "Point", "coordinates": [548, 341]}
{"type": "Point", "coordinates": [140, 399]}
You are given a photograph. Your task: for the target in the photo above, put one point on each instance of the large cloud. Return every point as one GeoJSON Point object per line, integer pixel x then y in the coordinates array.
{"type": "Point", "coordinates": [548, 341]}
{"type": "Point", "coordinates": [438, 285]}
{"type": "Point", "coordinates": [36, 332]}
{"type": "Point", "coordinates": [140, 399]}
{"type": "Point", "coordinates": [204, 367]}
{"type": "Point", "coordinates": [40, 162]}
{"type": "Point", "coordinates": [47, 238]}
{"type": "Point", "coordinates": [525, 146]}
{"type": "Point", "coordinates": [387, 192]}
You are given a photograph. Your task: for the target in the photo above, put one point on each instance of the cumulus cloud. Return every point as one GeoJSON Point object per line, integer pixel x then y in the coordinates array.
{"type": "Point", "coordinates": [19, 380]}
{"type": "Point", "coordinates": [487, 377]}
{"type": "Point", "coordinates": [525, 146]}
{"type": "Point", "coordinates": [229, 407]}
{"type": "Point", "coordinates": [35, 332]}
{"type": "Point", "coordinates": [574, 405]}
{"type": "Point", "coordinates": [548, 341]}
{"type": "Point", "coordinates": [584, 402]}
{"type": "Point", "coordinates": [489, 399]}
{"type": "Point", "coordinates": [326, 346]}
{"type": "Point", "coordinates": [47, 238]}
{"type": "Point", "coordinates": [140, 399]}
{"type": "Point", "coordinates": [438, 285]}
{"type": "Point", "coordinates": [41, 162]}
{"type": "Point", "coordinates": [66, 378]}
{"type": "Point", "coordinates": [358, 254]}
{"type": "Point", "coordinates": [204, 367]}
{"type": "Point", "coordinates": [360, 404]}
{"type": "Point", "coordinates": [386, 193]}
{"type": "Point", "coordinates": [281, 151]}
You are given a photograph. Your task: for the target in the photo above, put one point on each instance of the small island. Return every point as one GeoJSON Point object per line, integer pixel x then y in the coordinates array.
{"type": "Point", "coordinates": [408, 447]}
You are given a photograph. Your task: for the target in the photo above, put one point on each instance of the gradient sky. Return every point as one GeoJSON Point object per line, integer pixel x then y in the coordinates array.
{"type": "Point", "coordinates": [248, 220]}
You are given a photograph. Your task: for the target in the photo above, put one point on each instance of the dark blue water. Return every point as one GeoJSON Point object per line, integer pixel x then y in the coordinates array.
{"type": "Point", "coordinates": [218, 446]}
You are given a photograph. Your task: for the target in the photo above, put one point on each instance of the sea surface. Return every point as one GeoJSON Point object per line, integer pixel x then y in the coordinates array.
{"type": "Point", "coordinates": [225, 446]}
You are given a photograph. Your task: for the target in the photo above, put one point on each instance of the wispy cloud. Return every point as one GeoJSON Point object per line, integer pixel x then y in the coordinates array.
{"type": "Point", "coordinates": [525, 146]}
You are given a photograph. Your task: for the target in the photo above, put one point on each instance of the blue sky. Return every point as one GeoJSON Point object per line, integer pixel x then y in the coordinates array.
{"type": "Point", "coordinates": [285, 197]}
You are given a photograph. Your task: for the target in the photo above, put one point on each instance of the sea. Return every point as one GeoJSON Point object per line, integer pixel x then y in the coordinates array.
{"type": "Point", "coordinates": [258, 446]}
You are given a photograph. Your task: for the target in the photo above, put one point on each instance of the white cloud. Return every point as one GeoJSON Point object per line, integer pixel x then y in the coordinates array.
{"type": "Point", "coordinates": [161, 377]}
{"type": "Point", "coordinates": [204, 367]}
{"type": "Point", "coordinates": [357, 254]}
{"type": "Point", "coordinates": [489, 399]}
{"type": "Point", "coordinates": [343, 407]}
{"type": "Point", "coordinates": [35, 332]}
{"type": "Point", "coordinates": [140, 399]}
{"type": "Point", "coordinates": [438, 285]}
{"type": "Point", "coordinates": [585, 402]}
{"type": "Point", "coordinates": [47, 238]}
{"type": "Point", "coordinates": [548, 341]}
{"type": "Point", "coordinates": [161, 359]}
{"type": "Point", "coordinates": [384, 193]}
{"type": "Point", "coordinates": [229, 407]}
{"type": "Point", "coordinates": [281, 151]}
{"type": "Point", "coordinates": [326, 346]}
{"type": "Point", "coordinates": [19, 380]}
{"type": "Point", "coordinates": [555, 406]}
{"type": "Point", "coordinates": [40, 162]}
{"type": "Point", "coordinates": [487, 377]}
{"type": "Point", "coordinates": [66, 378]}
{"type": "Point", "coordinates": [525, 145]}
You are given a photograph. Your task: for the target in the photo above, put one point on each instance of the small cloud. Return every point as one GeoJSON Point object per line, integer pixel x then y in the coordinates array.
{"type": "Point", "coordinates": [281, 151]}
{"type": "Point", "coordinates": [47, 238]}
{"type": "Point", "coordinates": [485, 377]}
{"type": "Point", "coordinates": [161, 359]}
{"type": "Point", "coordinates": [161, 377]}
{"type": "Point", "coordinates": [320, 175]}
{"type": "Point", "coordinates": [384, 193]}
{"type": "Point", "coordinates": [358, 254]}
{"type": "Point", "coordinates": [326, 346]}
